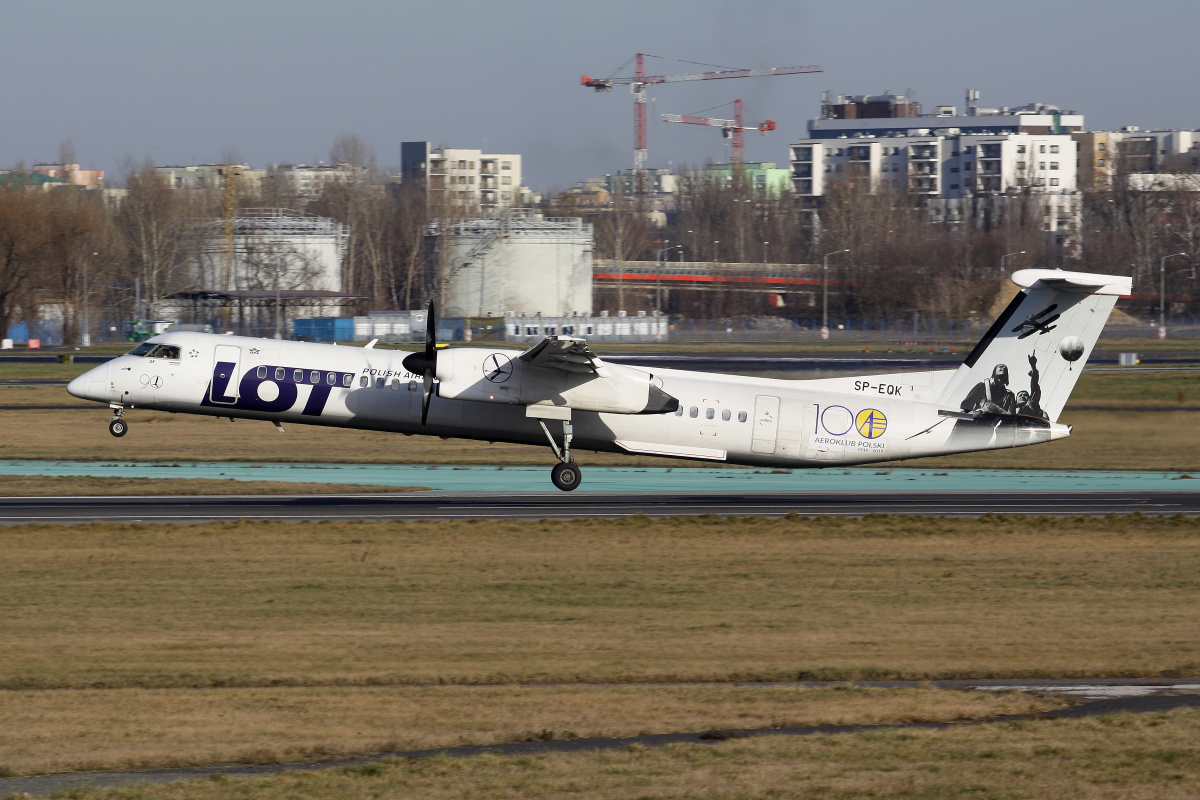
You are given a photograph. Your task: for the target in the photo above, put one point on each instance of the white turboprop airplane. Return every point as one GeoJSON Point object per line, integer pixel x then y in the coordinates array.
{"type": "Point", "coordinates": [1008, 392]}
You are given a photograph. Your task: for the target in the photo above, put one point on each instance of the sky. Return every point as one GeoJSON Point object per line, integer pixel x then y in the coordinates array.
{"type": "Point", "coordinates": [277, 81]}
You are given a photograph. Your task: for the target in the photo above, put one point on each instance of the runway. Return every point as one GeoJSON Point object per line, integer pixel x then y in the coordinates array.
{"type": "Point", "coordinates": [558, 505]}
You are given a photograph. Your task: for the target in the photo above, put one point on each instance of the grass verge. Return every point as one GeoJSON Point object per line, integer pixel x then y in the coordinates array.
{"type": "Point", "coordinates": [57, 731]}
{"type": "Point", "coordinates": [688, 599]}
{"type": "Point", "coordinates": [1147, 757]}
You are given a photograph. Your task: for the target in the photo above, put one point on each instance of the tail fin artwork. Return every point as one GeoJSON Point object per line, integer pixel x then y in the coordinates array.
{"type": "Point", "coordinates": [1027, 363]}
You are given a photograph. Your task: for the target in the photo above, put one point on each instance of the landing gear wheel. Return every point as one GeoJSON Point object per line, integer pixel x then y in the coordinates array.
{"type": "Point", "coordinates": [118, 427]}
{"type": "Point", "coordinates": [566, 476]}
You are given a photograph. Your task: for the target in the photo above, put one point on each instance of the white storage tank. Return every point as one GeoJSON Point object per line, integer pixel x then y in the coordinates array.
{"type": "Point", "coordinates": [520, 263]}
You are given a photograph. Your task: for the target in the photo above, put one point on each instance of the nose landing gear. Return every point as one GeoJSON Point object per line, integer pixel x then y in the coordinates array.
{"type": "Point", "coordinates": [117, 426]}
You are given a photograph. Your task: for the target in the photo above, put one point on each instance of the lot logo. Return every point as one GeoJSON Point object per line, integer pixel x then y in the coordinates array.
{"type": "Point", "coordinates": [277, 390]}
{"type": "Point", "coordinates": [870, 423]}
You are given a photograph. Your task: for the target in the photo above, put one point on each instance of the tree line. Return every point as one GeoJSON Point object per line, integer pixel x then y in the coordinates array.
{"type": "Point", "coordinates": [142, 243]}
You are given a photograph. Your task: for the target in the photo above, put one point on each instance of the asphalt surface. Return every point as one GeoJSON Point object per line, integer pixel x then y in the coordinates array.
{"type": "Point", "coordinates": [1137, 703]}
{"type": "Point", "coordinates": [560, 505]}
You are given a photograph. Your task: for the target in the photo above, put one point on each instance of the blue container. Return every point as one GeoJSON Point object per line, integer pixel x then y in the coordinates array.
{"type": "Point", "coordinates": [323, 329]}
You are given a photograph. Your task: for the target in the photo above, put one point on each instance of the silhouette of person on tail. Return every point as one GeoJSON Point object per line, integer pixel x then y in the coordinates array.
{"type": "Point", "coordinates": [991, 396]}
{"type": "Point", "coordinates": [1028, 403]}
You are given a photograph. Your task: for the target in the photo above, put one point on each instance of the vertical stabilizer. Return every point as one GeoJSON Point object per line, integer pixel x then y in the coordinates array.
{"type": "Point", "coordinates": [1028, 361]}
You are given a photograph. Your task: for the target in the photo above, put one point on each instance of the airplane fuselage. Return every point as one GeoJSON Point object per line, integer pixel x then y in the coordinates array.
{"type": "Point", "coordinates": [721, 418]}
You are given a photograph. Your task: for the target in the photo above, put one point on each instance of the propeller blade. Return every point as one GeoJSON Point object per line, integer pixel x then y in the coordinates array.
{"type": "Point", "coordinates": [426, 395]}
{"type": "Point", "coordinates": [426, 363]}
{"type": "Point", "coordinates": [431, 331]}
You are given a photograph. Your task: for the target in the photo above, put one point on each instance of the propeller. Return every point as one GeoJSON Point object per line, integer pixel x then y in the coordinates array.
{"type": "Point", "coordinates": [425, 363]}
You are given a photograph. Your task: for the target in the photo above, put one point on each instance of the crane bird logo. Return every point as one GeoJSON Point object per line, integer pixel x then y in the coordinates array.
{"type": "Point", "coordinates": [1039, 322]}
{"type": "Point", "coordinates": [497, 368]}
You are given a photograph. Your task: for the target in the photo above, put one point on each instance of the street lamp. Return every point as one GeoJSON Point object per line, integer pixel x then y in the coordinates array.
{"type": "Point", "coordinates": [658, 274]}
{"type": "Point", "coordinates": [765, 251]}
{"type": "Point", "coordinates": [1018, 253]}
{"type": "Point", "coordinates": [825, 293]}
{"type": "Point", "coordinates": [695, 249]}
{"type": "Point", "coordinates": [1162, 294]}
{"type": "Point", "coordinates": [86, 339]}
{"type": "Point", "coordinates": [715, 243]}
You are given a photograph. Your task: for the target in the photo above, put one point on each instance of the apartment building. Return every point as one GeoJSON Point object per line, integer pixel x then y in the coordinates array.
{"type": "Point", "coordinates": [487, 182]}
{"type": "Point", "coordinates": [886, 141]}
{"type": "Point", "coordinates": [942, 163]}
{"type": "Point", "coordinates": [210, 176]}
{"type": "Point", "coordinates": [303, 180]}
{"type": "Point", "coordinates": [1131, 151]}
{"type": "Point", "coordinates": [64, 174]}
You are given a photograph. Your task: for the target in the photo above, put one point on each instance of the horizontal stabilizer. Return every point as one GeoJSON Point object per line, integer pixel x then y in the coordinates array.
{"type": "Point", "coordinates": [1083, 282]}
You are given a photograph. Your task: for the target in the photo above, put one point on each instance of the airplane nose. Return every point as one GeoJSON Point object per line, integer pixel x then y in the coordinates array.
{"type": "Point", "coordinates": [78, 386]}
{"type": "Point", "coordinates": [90, 385]}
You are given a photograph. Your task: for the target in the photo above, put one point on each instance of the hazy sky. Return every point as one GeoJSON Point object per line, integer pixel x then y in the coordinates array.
{"type": "Point", "coordinates": [277, 80]}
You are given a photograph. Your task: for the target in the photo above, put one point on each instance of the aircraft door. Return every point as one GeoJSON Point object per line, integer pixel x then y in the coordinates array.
{"type": "Point", "coordinates": [766, 423]}
{"type": "Point", "coordinates": [225, 374]}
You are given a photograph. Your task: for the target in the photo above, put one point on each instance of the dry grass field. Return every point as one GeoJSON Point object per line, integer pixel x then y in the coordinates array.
{"type": "Point", "coordinates": [1132, 758]}
{"type": "Point", "coordinates": [1144, 757]}
{"type": "Point", "coordinates": [152, 644]}
{"type": "Point", "coordinates": [475, 602]}
{"type": "Point", "coordinates": [75, 730]}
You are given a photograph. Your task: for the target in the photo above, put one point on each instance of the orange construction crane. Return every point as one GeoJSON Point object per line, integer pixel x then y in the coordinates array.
{"type": "Point", "coordinates": [640, 80]}
{"type": "Point", "coordinates": [732, 129]}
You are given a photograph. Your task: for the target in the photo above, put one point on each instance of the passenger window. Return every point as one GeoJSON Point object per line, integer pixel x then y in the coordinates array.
{"type": "Point", "coordinates": [679, 411]}
{"type": "Point", "coordinates": [330, 378]}
{"type": "Point", "coordinates": [314, 377]}
{"type": "Point", "coordinates": [298, 375]}
{"type": "Point", "coordinates": [725, 414]}
{"type": "Point", "coordinates": [364, 381]}
{"type": "Point", "coordinates": [280, 373]}
{"type": "Point", "coordinates": [261, 372]}
{"type": "Point", "coordinates": [346, 379]}
{"type": "Point", "coordinates": [693, 411]}
{"type": "Point", "coordinates": [412, 386]}
{"type": "Point", "coordinates": [395, 384]}
{"type": "Point", "coordinates": [741, 416]}
{"type": "Point", "coordinates": [709, 413]}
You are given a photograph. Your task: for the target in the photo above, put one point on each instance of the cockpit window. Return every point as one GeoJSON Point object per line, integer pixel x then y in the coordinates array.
{"type": "Point", "coordinates": [154, 350]}
{"type": "Point", "coordinates": [142, 349]}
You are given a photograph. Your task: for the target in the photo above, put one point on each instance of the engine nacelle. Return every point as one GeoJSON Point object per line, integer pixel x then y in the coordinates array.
{"type": "Point", "coordinates": [499, 376]}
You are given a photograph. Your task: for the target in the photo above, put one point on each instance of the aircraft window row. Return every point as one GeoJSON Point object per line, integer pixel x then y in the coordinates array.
{"type": "Point", "coordinates": [153, 350]}
{"type": "Point", "coordinates": [364, 382]}
{"type": "Point", "coordinates": [331, 378]}
{"type": "Point", "coordinates": [710, 413]}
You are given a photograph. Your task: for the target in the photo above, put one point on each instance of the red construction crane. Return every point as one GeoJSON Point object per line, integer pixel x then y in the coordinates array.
{"type": "Point", "coordinates": [640, 80]}
{"type": "Point", "coordinates": [732, 129]}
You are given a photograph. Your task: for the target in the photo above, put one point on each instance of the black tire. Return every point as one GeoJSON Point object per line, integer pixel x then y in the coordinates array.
{"type": "Point", "coordinates": [118, 427]}
{"type": "Point", "coordinates": [566, 476]}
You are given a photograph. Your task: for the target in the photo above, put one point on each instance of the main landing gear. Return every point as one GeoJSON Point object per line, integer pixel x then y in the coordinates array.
{"type": "Point", "coordinates": [117, 426]}
{"type": "Point", "coordinates": [566, 474]}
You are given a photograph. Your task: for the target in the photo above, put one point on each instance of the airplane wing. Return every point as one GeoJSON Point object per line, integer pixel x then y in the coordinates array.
{"type": "Point", "coordinates": [566, 353]}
